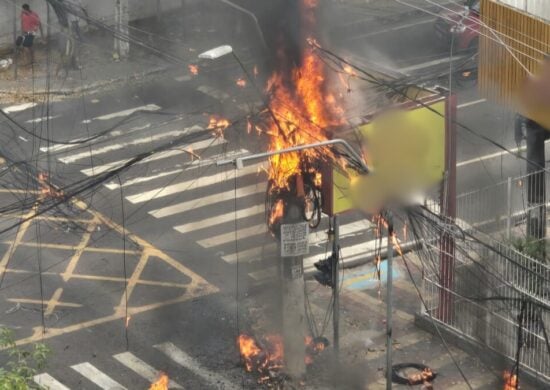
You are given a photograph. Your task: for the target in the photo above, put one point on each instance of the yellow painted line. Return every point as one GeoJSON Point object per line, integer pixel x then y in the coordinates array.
{"type": "Point", "coordinates": [18, 237]}
{"type": "Point", "coordinates": [39, 302]}
{"type": "Point", "coordinates": [104, 278]}
{"type": "Point", "coordinates": [71, 266]}
{"type": "Point", "coordinates": [53, 302]}
{"type": "Point", "coordinates": [132, 281]}
{"type": "Point", "coordinates": [372, 276]}
{"type": "Point", "coordinates": [50, 218]}
{"type": "Point", "coordinates": [75, 247]}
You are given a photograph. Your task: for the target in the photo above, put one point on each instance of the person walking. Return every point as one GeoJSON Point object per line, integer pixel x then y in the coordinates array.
{"type": "Point", "coordinates": [30, 24]}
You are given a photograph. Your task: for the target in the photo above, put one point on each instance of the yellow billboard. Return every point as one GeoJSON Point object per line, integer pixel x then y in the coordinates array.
{"type": "Point", "coordinates": [405, 147]}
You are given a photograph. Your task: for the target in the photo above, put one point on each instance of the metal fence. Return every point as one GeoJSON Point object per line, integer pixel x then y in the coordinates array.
{"type": "Point", "coordinates": [497, 209]}
{"type": "Point", "coordinates": [493, 285]}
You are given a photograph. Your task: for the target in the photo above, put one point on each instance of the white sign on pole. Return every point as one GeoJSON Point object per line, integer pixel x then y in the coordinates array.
{"type": "Point", "coordinates": [294, 239]}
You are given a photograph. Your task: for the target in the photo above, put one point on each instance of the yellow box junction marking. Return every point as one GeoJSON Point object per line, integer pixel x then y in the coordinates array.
{"type": "Point", "coordinates": [196, 287]}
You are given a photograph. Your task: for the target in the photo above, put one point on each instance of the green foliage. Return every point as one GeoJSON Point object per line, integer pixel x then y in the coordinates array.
{"type": "Point", "coordinates": [22, 365]}
{"type": "Point", "coordinates": [529, 247]}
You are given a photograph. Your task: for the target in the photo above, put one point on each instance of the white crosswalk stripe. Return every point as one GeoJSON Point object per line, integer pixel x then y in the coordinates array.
{"type": "Point", "coordinates": [123, 113]}
{"type": "Point", "coordinates": [122, 145]}
{"type": "Point", "coordinates": [183, 359]}
{"type": "Point", "coordinates": [48, 382]}
{"type": "Point", "coordinates": [96, 376]}
{"type": "Point", "coordinates": [191, 184]}
{"type": "Point", "coordinates": [142, 369]}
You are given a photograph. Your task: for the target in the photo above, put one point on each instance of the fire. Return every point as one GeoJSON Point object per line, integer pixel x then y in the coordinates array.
{"type": "Point", "coordinates": [241, 82]}
{"type": "Point", "coordinates": [303, 109]}
{"type": "Point", "coordinates": [261, 360]}
{"type": "Point", "coordinates": [161, 383]}
{"type": "Point", "coordinates": [46, 189]}
{"type": "Point", "coordinates": [510, 381]}
{"type": "Point", "coordinates": [218, 125]}
{"type": "Point", "coordinates": [276, 212]}
{"type": "Point", "coordinates": [193, 69]}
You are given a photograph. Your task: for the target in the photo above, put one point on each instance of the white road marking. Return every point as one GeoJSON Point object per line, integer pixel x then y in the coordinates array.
{"type": "Point", "coordinates": [315, 239]}
{"type": "Point", "coordinates": [140, 141]}
{"type": "Point", "coordinates": [225, 238]}
{"type": "Point", "coordinates": [23, 138]}
{"type": "Point", "coordinates": [42, 119]}
{"type": "Point", "coordinates": [196, 163]}
{"type": "Point", "coordinates": [49, 382]}
{"type": "Point", "coordinates": [488, 157]}
{"type": "Point", "coordinates": [183, 359]}
{"type": "Point", "coordinates": [472, 103]}
{"type": "Point", "coordinates": [77, 141]}
{"type": "Point", "coordinates": [213, 92]}
{"type": "Point", "coordinates": [191, 184]}
{"type": "Point", "coordinates": [208, 200]}
{"type": "Point", "coordinates": [99, 378]}
{"type": "Point", "coordinates": [219, 219]}
{"type": "Point", "coordinates": [142, 369]}
{"type": "Point", "coordinates": [143, 179]}
{"type": "Point", "coordinates": [19, 107]}
{"type": "Point", "coordinates": [429, 64]}
{"type": "Point", "coordinates": [396, 28]}
{"type": "Point", "coordinates": [130, 111]}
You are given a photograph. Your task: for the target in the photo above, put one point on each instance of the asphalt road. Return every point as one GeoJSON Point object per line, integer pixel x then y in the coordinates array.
{"type": "Point", "coordinates": [180, 263]}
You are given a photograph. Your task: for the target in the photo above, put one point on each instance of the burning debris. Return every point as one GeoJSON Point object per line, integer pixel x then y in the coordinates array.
{"type": "Point", "coordinates": [161, 383]}
{"type": "Point", "coordinates": [46, 189]}
{"type": "Point", "coordinates": [510, 381]}
{"type": "Point", "coordinates": [265, 356]}
{"type": "Point", "coordinates": [193, 69]}
{"type": "Point", "coordinates": [218, 125]}
{"type": "Point", "coordinates": [241, 82]}
{"type": "Point", "coordinates": [413, 374]}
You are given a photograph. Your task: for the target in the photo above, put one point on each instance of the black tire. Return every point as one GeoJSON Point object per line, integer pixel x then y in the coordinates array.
{"type": "Point", "coordinates": [397, 376]}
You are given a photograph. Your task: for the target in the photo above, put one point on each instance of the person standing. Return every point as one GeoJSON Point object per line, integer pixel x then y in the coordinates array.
{"type": "Point", "coordinates": [30, 24]}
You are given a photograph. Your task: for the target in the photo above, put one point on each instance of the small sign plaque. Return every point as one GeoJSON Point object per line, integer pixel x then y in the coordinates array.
{"type": "Point", "coordinates": [294, 239]}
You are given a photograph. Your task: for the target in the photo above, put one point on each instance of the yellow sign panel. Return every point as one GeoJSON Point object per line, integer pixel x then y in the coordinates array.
{"type": "Point", "coordinates": [406, 151]}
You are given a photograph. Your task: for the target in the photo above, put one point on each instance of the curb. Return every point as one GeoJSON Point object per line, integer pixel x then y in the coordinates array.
{"type": "Point", "coordinates": [94, 86]}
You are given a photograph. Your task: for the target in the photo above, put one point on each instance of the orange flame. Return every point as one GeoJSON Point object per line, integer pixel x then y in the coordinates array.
{"type": "Point", "coordinates": [193, 69]}
{"type": "Point", "coordinates": [510, 381]}
{"type": "Point", "coordinates": [277, 212]}
{"type": "Point", "coordinates": [218, 125]}
{"type": "Point", "coordinates": [241, 82]}
{"type": "Point", "coordinates": [161, 383]}
{"type": "Point", "coordinates": [259, 359]}
{"type": "Point", "coordinates": [302, 108]}
{"type": "Point", "coordinates": [46, 189]}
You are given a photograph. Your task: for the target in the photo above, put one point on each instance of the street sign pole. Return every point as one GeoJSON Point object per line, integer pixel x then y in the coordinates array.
{"type": "Point", "coordinates": [389, 304]}
{"type": "Point", "coordinates": [336, 286]}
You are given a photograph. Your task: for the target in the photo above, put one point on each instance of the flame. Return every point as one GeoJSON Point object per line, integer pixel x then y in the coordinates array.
{"type": "Point", "coordinates": [510, 381]}
{"type": "Point", "coordinates": [302, 108]}
{"type": "Point", "coordinates": [276, 212]}
{"type": "Point", "coordinates": [218, 125]}
{"type": "Point", "coordinates": [161, 383]}
{"type": "Point", "coordinates": [46, 189]}
{"type": "Point", "coordinates": [241, 82]}
{"type": "Point", "coordinates": [261, 360]}
{"type": "Point", "coordinates": [193, 69]}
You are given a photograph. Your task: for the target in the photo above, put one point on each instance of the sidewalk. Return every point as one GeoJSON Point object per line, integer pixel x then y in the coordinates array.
{"type": "Point", "coordinates": [363, 337]}
{"type": "Point", "coordinates": [100, 67]}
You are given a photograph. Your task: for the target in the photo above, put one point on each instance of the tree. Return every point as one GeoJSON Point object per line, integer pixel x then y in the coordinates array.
{"type": "Point", "coordinates": [18, 372]}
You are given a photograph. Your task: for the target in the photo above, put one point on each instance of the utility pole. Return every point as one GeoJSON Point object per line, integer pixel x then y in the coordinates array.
{"type": "Point", "coordinates": [122, 43]}
{"type": "Point", "coordinates": [293, 231]}
{"type": "Point", "coordinates": [15, 48]}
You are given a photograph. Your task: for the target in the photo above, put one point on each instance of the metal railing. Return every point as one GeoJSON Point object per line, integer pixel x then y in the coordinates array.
{"type": "Point", "coordinates": [491, 288]}
{"type": "Point", "coordinates": [497, 209]}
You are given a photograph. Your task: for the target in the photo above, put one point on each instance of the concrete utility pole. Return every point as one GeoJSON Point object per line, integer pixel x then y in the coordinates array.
{"type": "Point", "coordinates": [122, 44]}
{"type": "Point", "coordinates": [336, 286]}
{"type": "Point", "coordinates": [15, 48]}
{"type": "Point", "coordinates": [293, 298]}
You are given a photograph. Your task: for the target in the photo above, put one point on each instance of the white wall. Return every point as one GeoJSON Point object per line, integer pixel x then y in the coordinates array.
{"type": "Point", "coordinates": [540, 8]}
{"type": "Point", "coordinates": [100, 9]}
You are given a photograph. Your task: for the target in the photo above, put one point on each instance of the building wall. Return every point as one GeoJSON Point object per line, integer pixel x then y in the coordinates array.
{"type": "Point", "coordinates": [512, 46]}
{"type": "Point", "coordinates": [539, 8]}
{"type": "Point", "coordinates": [100, 9]}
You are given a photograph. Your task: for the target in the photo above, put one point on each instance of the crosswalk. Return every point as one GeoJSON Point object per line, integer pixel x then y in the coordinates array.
{"type": "Point", "coordinates": [219, 208]}
{"type": "Point", "coordinates": [126, 368]}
